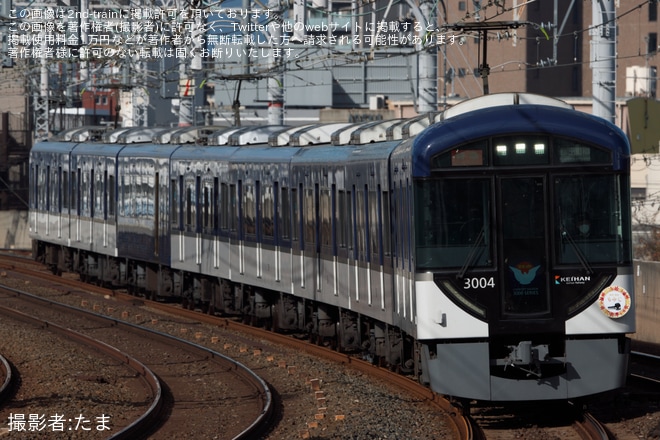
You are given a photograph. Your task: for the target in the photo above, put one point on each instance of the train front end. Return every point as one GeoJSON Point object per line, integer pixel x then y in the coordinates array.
{"type": "Point", "coordinates": [523, 261]}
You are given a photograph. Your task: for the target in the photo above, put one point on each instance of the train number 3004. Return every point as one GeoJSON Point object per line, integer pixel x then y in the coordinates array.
{"type": "Point", "coordinates": [479, 283]}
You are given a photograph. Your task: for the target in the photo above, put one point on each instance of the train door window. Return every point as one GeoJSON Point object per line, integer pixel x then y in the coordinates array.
{"type": "Point", "coordinates": [258, 210]}
{"type": "Point", "coordinates": [296, 214]}
{"type": "Point", "coordinates": [309, 209]}
{"type": "Point", "coordinates": [75, 192]}
{"type": "Point", "coordinates": [215, 202]}
{"type": "Point", "coordinates": [249, 210]}
{"type": "Point", "coordinates": [233, 207]}
{"type": "Point", "coordinates": [341, 219]}
{"type": "Point", "coordinates": [268, 212]}
{"type": "Point", "coordinates": [174, 202]}
{"type": "Point", "coordinates": [285, 213]}
{"type": "Point", "coordinates": [276, 211]}
{"type": "Point", "coordinates": [53, 190]}
{"type": "Point", "coordinates": [207, 212]}
{"type": "Point", "coordinates": [224, 206]}
{"type": "Point", "coordinates": [99, 189]}
{"type": "Point", "coordinates": [65, 190]}
{"type": "Point", "coordinates": [352, 219]}
{"type": "Point", "coordinates": [190, 193]}
{"type": "Point", "coordinates": [156, 202]}
{"type": "Point", "coordinates": [112, 200]}
{"type": "Point", "coordinates": [88, 208]}
{"type": "Point", "coordinates": [105, 195]}
{"type": "Point", "coordinates": [406, 214]}
{"type": "Point", "coordinates": [60, 190]}
{"type": "Point", "coordinates": [361, 223]}
{"type": "Point", "coordinates": [131, 196]}
{"type": "Point", "coordinates": [47, 190]}
{"type": "Point", "coordinates": [326, 220]}
{"type": "Point", "coordinates": [374, 236]}
{"type": "Point", "coordinates": [523, 226]}
{"type": "Point", "coordinates": [34, 184]}
{"type": "Point", "coordinates": [197, 200]}
{"type": "Point", "coordinates": [386, 223]}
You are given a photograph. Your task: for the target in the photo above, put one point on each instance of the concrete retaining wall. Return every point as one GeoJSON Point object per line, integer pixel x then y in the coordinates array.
{"type": "Point", "coordinates": [14, 230]}
{"type": "Point", "coordinates": [647, 298]}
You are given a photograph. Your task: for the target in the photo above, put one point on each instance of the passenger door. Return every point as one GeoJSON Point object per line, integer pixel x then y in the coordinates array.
{"type": "Point", "coordinates": [523, 254]}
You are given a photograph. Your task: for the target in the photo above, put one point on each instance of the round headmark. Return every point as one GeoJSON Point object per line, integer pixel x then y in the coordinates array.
{"type": "Point", "coordinates": [614, 301]}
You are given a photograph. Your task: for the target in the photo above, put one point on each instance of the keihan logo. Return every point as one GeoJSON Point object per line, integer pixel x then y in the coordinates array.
{"type": "Point", "coordinates": [524, 272]}
{"type": "Point", "coordinates": [572, 280]}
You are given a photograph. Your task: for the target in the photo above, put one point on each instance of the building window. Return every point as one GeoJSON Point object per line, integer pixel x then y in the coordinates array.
{"type": "Point", "coordinates": [653, 10]}
{"type": "Point", "coordinates": [652, 43]}
{"type": "Point", "coordinates": [461, 6]}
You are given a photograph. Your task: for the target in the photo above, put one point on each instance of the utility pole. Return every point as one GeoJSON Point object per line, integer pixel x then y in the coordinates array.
{"type": "Point", "coordinates": [603, 58]}
{"type": "Point", "coordinates": [276, 77]}
{"type": "Point", "coordinates": [483, 28]}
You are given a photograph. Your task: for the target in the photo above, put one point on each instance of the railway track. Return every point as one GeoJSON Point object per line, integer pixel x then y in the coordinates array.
{"type": "Point", "coordinates": [577, 426]}
{"type": "Point", "coordinates": [462, 427]}
{"type": "Point", "coordinates": [242, 398]}
{"type": "Point", "coordinates": [7, 381]}
{"type": "Point", "coordinates": [142, 424]}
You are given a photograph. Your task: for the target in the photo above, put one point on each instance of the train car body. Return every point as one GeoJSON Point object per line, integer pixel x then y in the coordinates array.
{"type": "Point", "coordinates": [73, 203]}
{"type": "Point", "coordinates": [489, 255]}
{"type": "Point", "coordinates": [522, 232]}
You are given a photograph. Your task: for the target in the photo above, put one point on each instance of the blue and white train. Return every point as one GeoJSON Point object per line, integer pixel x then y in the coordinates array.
{"type": "Point", "coordinates": [485, 249]}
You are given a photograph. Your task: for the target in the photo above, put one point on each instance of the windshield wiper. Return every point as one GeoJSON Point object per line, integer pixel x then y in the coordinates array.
{"type": "Point", "coordinates": [474, 249]}
{"type": "Point", "coordinates": [578, 252]}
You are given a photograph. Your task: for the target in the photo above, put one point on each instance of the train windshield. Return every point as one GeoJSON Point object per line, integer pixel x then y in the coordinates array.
{"type": "Point", "coordinates": [453, 223]}
{"type": "Point", "coordinates": [591, 225]}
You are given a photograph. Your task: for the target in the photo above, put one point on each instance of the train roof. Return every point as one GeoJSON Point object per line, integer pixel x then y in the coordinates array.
{"type": "Point", "coordinates": [469, 126]}
{"type": "Point", "coordinates": [255, 135]}
{"type": "Point", "coordinates": [317, 134]}
{"type": "Point", "coordinates": [53, 147]}
{"type": "Point", "coordinates": [148, 150]}
{"type": "Point", "coordinates": [139, 135]}
{"type": "Point", "coordinates": [373, 131]}
{"type": "Point", "coordinates": [97, 149]}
